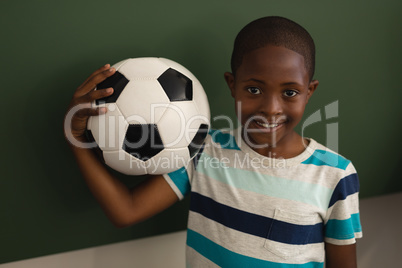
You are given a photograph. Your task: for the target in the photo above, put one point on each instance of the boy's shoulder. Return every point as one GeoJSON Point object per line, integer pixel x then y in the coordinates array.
{"type": "Point", "coordinates": [320, 155]}
{"type": "Point", "coordinates": [315, 154]}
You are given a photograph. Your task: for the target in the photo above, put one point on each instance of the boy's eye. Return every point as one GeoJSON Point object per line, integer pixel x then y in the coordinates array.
{"type": "Point", "coordinates": [290, 93]}
{"type": "Point", "coordinates": [254, 90]}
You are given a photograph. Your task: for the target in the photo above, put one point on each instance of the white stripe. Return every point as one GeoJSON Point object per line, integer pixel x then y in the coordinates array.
{"type": "Point", "coordinates": [266, 184]}
{"type": "Point", "coordinates": [343, 242]}
{"type": "Point", "coordinates": [202, 262]}
{"type": "Point", "coordinates": [250, 201]}
{"type": "Point", "coordinates": [342, 209]}
{"type": "Point", "coordinates": [320, 175]}
{"type": "Point", "coordinates": [350, 169]}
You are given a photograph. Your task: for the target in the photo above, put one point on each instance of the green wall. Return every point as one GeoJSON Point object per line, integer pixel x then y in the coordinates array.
{"type": "Point", "coordinates": [49, 47]}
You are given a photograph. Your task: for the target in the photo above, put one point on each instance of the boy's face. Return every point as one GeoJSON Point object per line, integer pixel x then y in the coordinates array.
{"type": "Point", "coordinates": [271, 89]}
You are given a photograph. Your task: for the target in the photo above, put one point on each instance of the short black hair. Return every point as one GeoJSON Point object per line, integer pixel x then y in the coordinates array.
{"type": "Point", "coordinates": [277, 31]}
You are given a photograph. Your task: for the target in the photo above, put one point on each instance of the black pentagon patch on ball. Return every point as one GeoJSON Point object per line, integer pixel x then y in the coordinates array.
{"type": "Point", "coordinates": [176, 85]}
{"type": "Point", "coordinates": [198, 140]}
{"type": "Point", "coordinates": [118, 82]}
{"type": "Point", "coordinates": [143, 141]}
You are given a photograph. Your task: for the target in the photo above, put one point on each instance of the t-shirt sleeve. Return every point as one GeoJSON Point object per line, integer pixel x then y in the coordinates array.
{"type": "Point", "coordinates": [342, 224]}
{"type": "Point", "coordinates": [179, 180]}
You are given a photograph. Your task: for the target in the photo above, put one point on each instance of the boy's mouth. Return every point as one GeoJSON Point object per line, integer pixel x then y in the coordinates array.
{"type": "Point", "coordinates": [267, 126]}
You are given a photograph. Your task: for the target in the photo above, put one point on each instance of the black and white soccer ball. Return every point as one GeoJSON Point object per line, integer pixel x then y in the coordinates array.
{"type": "Point", "coordinates": [157, 118]}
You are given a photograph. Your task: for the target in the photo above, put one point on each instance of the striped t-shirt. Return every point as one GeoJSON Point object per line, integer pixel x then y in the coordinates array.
{"type": "Point", "coordinates": [247, 210]}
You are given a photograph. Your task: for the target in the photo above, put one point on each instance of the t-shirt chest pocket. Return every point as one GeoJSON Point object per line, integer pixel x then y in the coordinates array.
{"type": "Point", "coordinates": [290, 234]}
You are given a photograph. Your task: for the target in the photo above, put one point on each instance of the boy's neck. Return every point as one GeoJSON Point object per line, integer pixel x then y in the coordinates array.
{"type": "Point", "coordinates": [290, 147]}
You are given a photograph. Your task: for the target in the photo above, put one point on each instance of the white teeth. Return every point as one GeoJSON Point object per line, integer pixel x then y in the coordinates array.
{"type": "Point", "coordinates": [268, 125]}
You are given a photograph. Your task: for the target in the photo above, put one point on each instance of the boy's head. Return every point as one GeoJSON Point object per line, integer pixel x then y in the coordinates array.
{"type": "Point", "coordinates": [276, 31]}
{"type": "Point", "coordinates": [271, 82]}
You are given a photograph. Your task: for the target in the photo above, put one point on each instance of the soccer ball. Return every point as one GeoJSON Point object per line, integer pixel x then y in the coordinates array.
{"type": "Point", "coordinates": [157, 118]}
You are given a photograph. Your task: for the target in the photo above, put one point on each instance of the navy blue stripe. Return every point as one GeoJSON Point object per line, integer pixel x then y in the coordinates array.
{"type": "Point", "coordinates": [256, 224]}
{"type": "Point", "coordinates": [347, 186]}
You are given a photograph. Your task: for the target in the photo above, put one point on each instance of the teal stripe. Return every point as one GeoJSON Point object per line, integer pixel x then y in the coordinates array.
{"type": "Point", "coordinates": [326, 158]}
{"type": "Point", "coordinates": [226, 258]}
{"type": "Point", "coordinates": [181, 180]}
{"type": "Point", "coordinates": [265, 184]}
{"type": "Point", "coordinates": [343, 229]}
{"type": "Point", "coordinates": [226, 140]}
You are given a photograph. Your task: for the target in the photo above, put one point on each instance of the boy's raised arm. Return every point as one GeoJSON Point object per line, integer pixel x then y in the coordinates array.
{"type": "Point", "coordinates": [123, 206]}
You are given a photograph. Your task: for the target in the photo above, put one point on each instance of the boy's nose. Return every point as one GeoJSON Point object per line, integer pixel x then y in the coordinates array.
{"type": "Point", "coordinates": [271, 106]}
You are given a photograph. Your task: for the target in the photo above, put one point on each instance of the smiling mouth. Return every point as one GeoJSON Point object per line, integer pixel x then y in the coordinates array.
{"type": "Point", "coordinates": [268, 127]}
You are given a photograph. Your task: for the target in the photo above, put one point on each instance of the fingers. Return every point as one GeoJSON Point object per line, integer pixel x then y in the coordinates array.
{"type": "Point", "coordinates": [95, 78]}
{"type": "Point", "coordinates": [101, 69]}
{"type": "Point", "coordinates": [92, 111]}
{"type": "Point", "coordinates": [98, 94]}
{"type": "Point", "coordinates": [83, 113]}
{"type": "Point", "coordinates": [80, 108]}
{"type": "Point", "coordinates": [84, 103]}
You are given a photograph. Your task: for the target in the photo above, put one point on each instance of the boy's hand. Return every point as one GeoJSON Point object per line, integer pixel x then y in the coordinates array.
{"type": "Point", "coordinates": [82, 100]}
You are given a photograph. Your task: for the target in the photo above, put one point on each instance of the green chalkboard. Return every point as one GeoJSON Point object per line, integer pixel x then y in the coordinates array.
{"type": "Point", "coordinates": [49, 47]}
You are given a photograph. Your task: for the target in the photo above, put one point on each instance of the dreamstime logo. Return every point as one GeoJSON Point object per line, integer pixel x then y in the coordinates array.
{"type": "Point", "coordinates": [112, 128]}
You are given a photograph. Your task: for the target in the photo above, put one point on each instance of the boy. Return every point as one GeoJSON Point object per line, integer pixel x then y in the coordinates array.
{"type": "Point", "coordinates": [261, 195]}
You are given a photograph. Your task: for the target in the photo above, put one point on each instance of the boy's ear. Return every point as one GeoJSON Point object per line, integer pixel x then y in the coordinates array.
{"type": "Point", "coordinates": [229, 78]}
{"type": "Point", "coordinates": [312, 87]}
